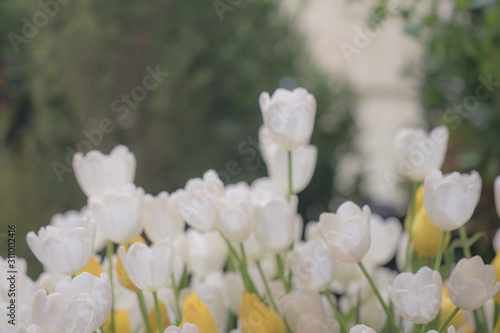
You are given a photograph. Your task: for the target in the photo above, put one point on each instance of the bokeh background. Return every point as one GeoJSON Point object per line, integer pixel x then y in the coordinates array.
{"type": "Point", "coordinates": [67, 67]}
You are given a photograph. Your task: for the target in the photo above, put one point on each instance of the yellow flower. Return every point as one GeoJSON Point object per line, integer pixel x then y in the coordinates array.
{"type": "Point", "coordinates": [153, 323]}
{"type": "Point", "coordinates": [93, 267]}
{"type": "Point", "coordinates": [447, 307]}
{"type": "Point", "coordinates": [256, 317]}
{"type": "Point", "coordinates": [122, 322]}
{"type": "Point", "coordinates": [120, 270]}
{"type": "Point", "coordinates": [196, 312]}
{"type": "Point", "coordinates": [426, 237]}
{"type": "Point", "coordinates": [496, 264]}
{"type": "Point", "coordinates": [419, 203]}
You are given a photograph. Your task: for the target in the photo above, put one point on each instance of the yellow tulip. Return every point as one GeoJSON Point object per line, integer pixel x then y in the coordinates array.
{"type": "Point", "coordinates": [447, 307]}
{"type": "Point", "coordinates": [256, 317]}
{"type": "Point", "coordinates": [496, 264]}
{"type": "Point", "coordinates": [93, 267]}
{"type": "Point", "coordinates": [122, 322]}
{"type": "Point", "coordinates": [426, 237]}
{"type": "Point", "coordinates": [419, 203]}
{"type": "Point", "coordinates": [153, 323]}
{"type": "Point", "coordinates": [196, 312]}
{"type": "Point", "coordinates": [120, 270]}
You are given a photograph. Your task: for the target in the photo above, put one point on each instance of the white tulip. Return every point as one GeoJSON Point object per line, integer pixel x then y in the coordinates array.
{"type": "Point", "coordinates": [96, 290]}
{"type": "Point", "coordinates": [303, 163]}
{"type": "Point", "coordinates": [65, 250]}
{"type": "Point", "coordinates": [274, 224]}
{"type": "Point", "coordinates": [497, 194]}
{"type": "Point", "coordinates": [97, 173]}
{"type": "Point", "coordinates": [362, 329]}
{"type": "Point", "coordinates": [197, 201]}
{"type": "Point", "coordinates": [451, 329]}
{"type": "Point", "coordinates": [161, 218]}
{"type": "Point", "coordinates": [186, 328]}
{"type": "Point", "coordinates": [450, 200]}
{"type": "Point", "coordinates": [149, 268]}
{"type": "Point", "coordinates": [419, 153]}
{"type": "Point", "coordinates": [235, 213]}
{"type": "Point", "coordinates": [302, 303]}
{"type": "Point", "coordinates": [417, 297]}
{"type": "Point", "coordinates": [313, 266]}
{"type": "Point", "coordinates": [289, 115]}
{"type": "Point", "coordinates": [472, 283]}
{"type": "Point", "coordinates": [347, 232]}
{"type": "Point", "coordinates": [312, 323]}
{"type": "Point", "coordinates": [118, 213]}
{"type": "Point", "coordinates": [205, 253]}
{"type": "Point", "coordinates": [384, 235]}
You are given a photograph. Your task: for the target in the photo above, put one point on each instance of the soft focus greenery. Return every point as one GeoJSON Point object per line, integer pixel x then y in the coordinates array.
{"type": "Point", "coordinates": [459, 75]}
{"type": "Point", "coordinates": [204, 115]}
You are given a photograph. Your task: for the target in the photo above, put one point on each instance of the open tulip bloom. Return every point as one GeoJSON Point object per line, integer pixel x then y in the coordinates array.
{"type": "Point", "coordinates": [218, 258]}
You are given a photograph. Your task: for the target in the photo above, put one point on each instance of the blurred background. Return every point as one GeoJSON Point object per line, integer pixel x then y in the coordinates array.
{"type": "Point", "coordinates": [178, 82]}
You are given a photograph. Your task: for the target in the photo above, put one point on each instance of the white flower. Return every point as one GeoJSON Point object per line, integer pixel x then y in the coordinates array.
{"type": "Point", "coordinates": [289, 115]}
{"type": "Point", "coordinates": [186, 328]}
{"type": "Point", "coordinates": [235, 213]}
{"type": "Point", "coordinates": [160, 217]}
{"type": "Point", "coordinates": [65, 250]}
{"type": "Point", "coordinates": [417, 297]}
{"type": "Point", "coordinates": [313, 323]}
{"type": "Point", "coordinates": [450, 200]}
{"type": "Point", "coordinates": [301, 304]}
{"type": "Point", "coordinates": [118, 213]}
{"type": "Point", "coordinates": [385, 235]}
{"type": "Point", "coordinates": [81, 308]}
{"type": "Point", "coordinates": [451, 329]}
{"type": "Point", "coordinates": [419, 153]}
{"type": "Point", "coordinates": [197, 201]}
{"type": "Point", "coordinates": [204, 253]}
{"type": "Point", "coordinates": [274, 223]}
{"type": "Point", "coordinates": [96, 172]}
{"type": "Point", "coordinates": [362, 329]}
{"type": "Point", "coordinates": [303, 163]}
{"type": "Point", "coordinates": [497, 194]}
{"type": "Point", "coordinates": [313, 266]}
{"type": "Point", "coordinates": [149, 268]}
{"type": "Point", "coordinates": [95, 290]}
{"type": "Point", "coordinates": [347, 232]}
{"type": "Point", "coordinates": [472, 283]}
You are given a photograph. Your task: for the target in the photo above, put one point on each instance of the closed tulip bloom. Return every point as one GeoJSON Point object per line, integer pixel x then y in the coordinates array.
{"type": "Point", "coordinates": [313, 266]}
{"type": "Point", "coordinates": [419, 153]}
{"type": "Point", "coordinates": [197, 201]}
{"type": "Point", "coordinates": [451, 329]}
{"type": "Point", "coordinates": [303, 163]}
{"type": "Point", "coordinates": [426, 237]}
{"type": "Point", "coordinates": [497, 194]}
{"type": "Point", "coordinates": [289, 115]}
{"type": "Point", "coordinates": [204, 253]}
{"type": "Point", "coordinates": [347, 232]}
{"type": "Point", "coordinates": [118, 213]}
{"type": "Point", "coordinates": [96, 289]}
{"type": "Point", "coordinates": [384, 238]}
{"type": "Point", "coordinates": [186, 328]}
{"type": "Point", "coordinates": [417, 297]}
{"type": "Point", "coordinates": [450, 200]}
{"type": "Point", "coordinates": [97, 173]}
{"type": "Point", "coordinates": [447, 307]}
{"type": "Point", "coordinates": [161, 218]}
{"type": "Point", "coordinates": [472, 283]}
{"type": "Point", "coordinates": [149, 268]}
{"type": "Point", "coordinates": [362, 329]}
{"type": "Point", "coordinates": [235, 213]}
{"type": "Point", "coordinates": [64, 250]}
{"type": "Point", "coordinates": [302, 303]}
{"type": "Point", "coordinates": [274, 223]}
{"type": "Point", "coordinates": [311, 323]}
{"type": "Point", "coordinates": [197, 313]}
{"type": "Point", "coordinates": [269, 320]}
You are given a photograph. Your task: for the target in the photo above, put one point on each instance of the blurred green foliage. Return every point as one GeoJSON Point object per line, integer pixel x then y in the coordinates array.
{"type": "Point", "coordinates": [74, 71]}
{"type": "Point", "coordinates": [459, 75]}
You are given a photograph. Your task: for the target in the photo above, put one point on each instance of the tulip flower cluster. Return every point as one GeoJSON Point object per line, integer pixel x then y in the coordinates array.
{"type": "Point", "coordinates": [216, 258]}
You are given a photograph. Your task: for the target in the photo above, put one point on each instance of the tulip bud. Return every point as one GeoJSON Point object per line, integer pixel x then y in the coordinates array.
{"type": "Point", "coordinates": [426, 237]}
{"type": "Point", "coordinates": [255, 317]}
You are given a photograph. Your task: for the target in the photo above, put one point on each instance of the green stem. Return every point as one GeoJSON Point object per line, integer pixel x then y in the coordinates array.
{"type": "Point", "coordinates": [281, 274]}
{"type": "Point", "coordinates": [423, 329]}
{"type": "Point", "coordinates": [339, 316]}
{"type": "Point", "coordinates": [377, 293]}
{"type": "Point", "coordinates": [158, 316]}
{"type": "Point", "coordinates": [142, 305]}
{"type": "Point", "coordinates": [463, 237]}
{"type": "Point", "coordinates": [290, 188]}
{"type": "Point", "coordinates": [176, 298]}
{"type": "Point", "coordinates": [439, 257]}
{"type": "Point", "coordinates": [497, 315]}
{"type": "Point", "coordinates": [483, 315]}
{"type": "Point", "coordinates": [245, 269]}
{"type": "Point", "coordinates": [109, 254]}
{"type": "Point", "coordinates": [411, 213]}
{"type": "Point", "coordinates": [269, 293]}
{"type": "Point", "coordinates": [448, 320]}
